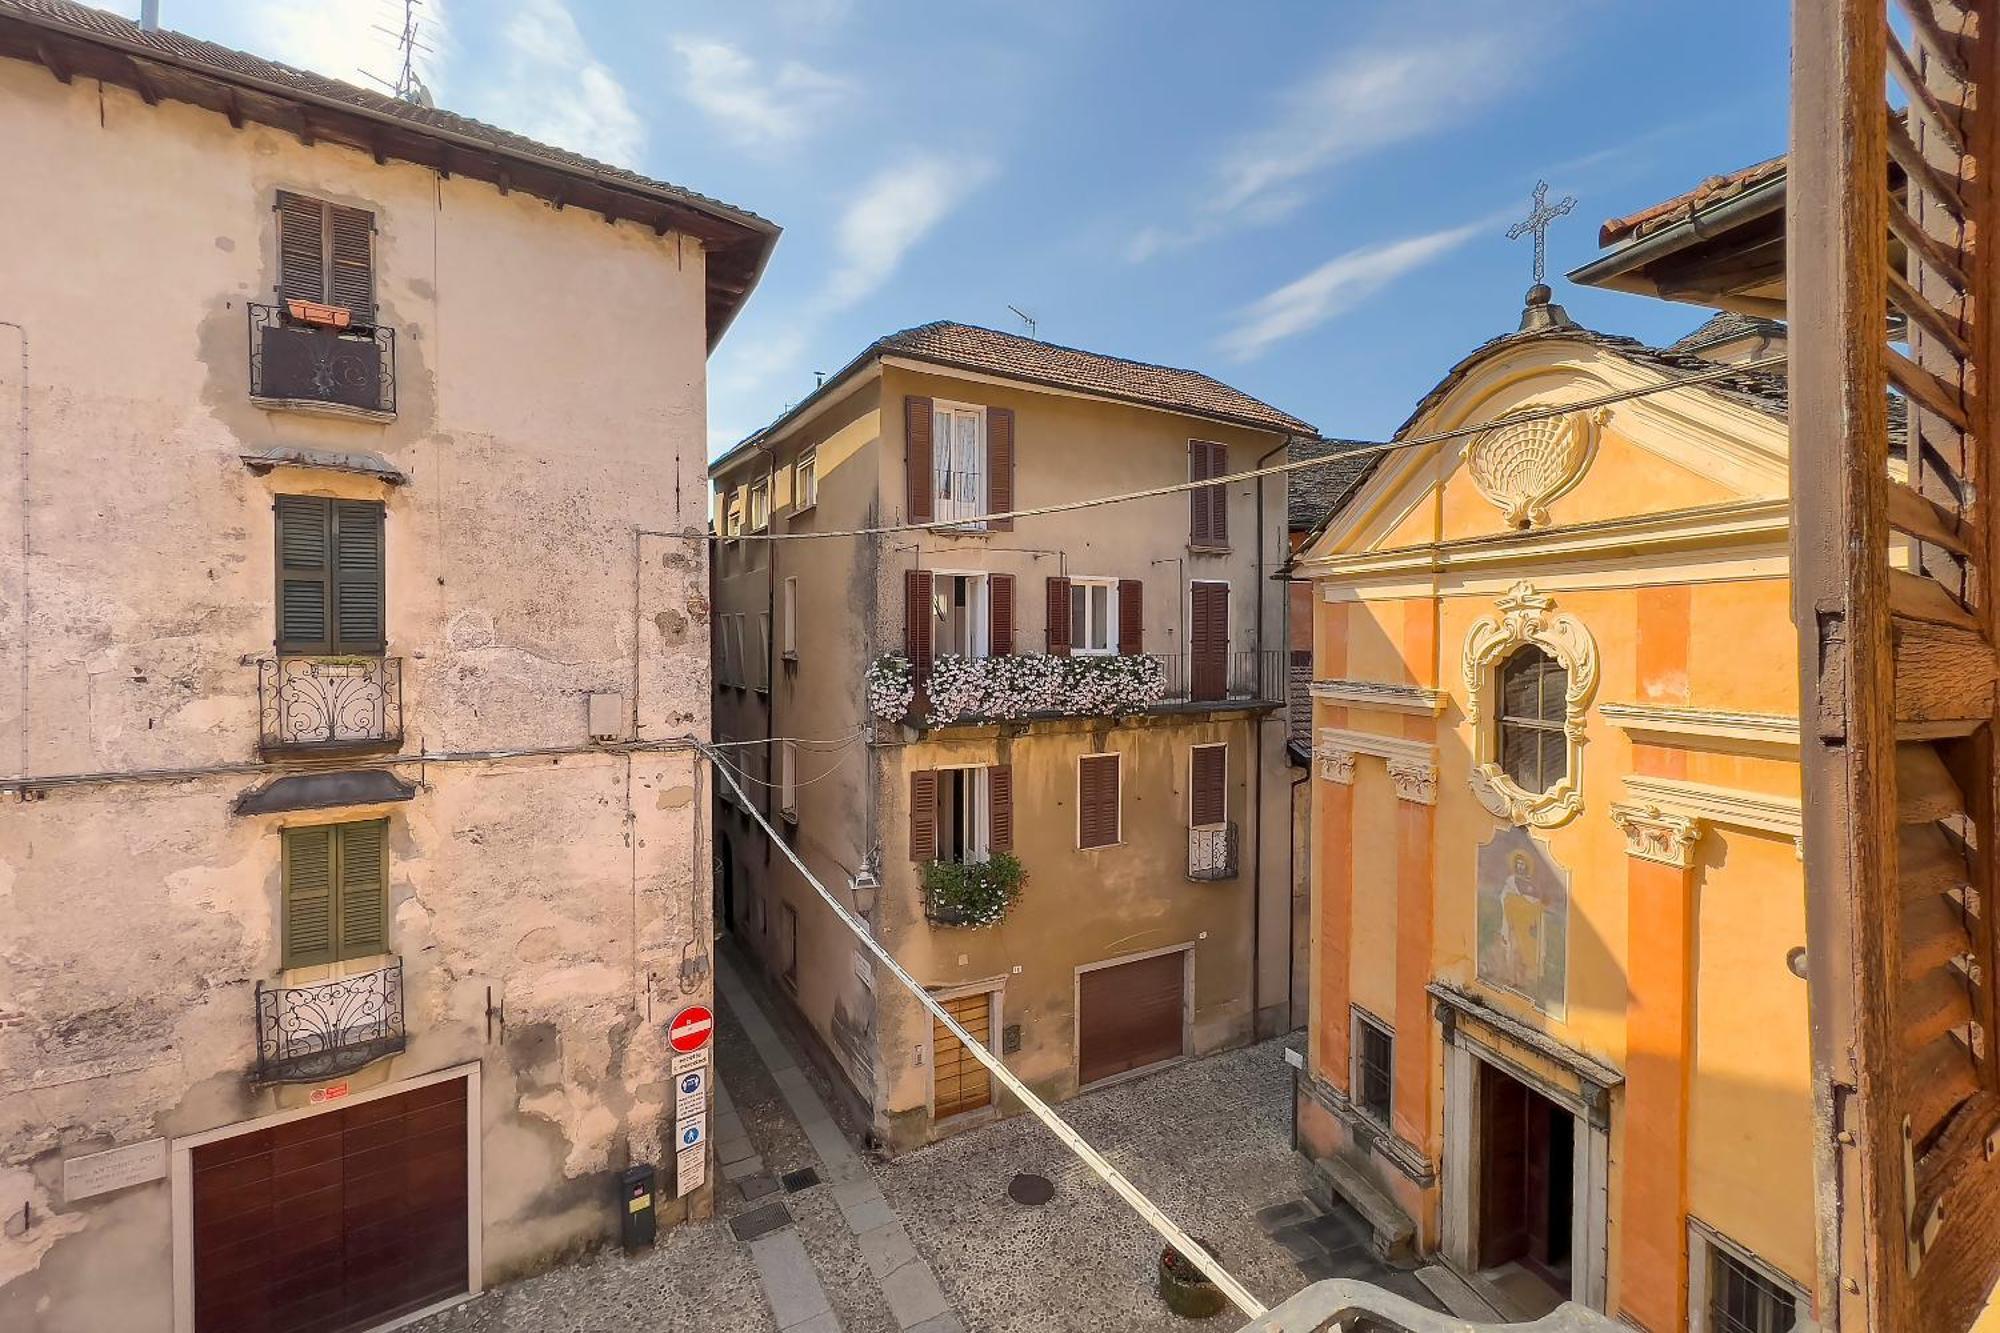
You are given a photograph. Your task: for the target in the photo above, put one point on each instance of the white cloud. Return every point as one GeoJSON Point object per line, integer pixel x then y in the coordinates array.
{"type": "Point", "coordinates": [554, 89]}
{"type": "Point", "coordinates": [751, 106]}
{"type": "Point", "coordinates": [895, 210]}
{"type": "Point", "coordinates": [343, 38]}
{"type": "Point", "coordinates": [1369, 98]}
{"type": "Point", "coordinates": [1337, 285]}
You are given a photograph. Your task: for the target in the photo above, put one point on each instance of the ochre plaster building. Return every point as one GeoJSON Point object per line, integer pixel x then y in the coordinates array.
{"type": "Point", "coordinates": [352, 560]}
{"type": "Point", "coordinates": [1558, 1028]}
{"type": "Point", "coordinates": [1099, 702]}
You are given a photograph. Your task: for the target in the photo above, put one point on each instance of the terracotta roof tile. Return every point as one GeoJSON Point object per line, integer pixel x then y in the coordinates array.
{"type": "Point", "coordinates": [1710, 191]}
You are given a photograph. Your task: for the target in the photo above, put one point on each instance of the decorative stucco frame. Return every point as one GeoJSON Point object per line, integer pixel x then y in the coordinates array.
{"type": "Point", "coordinates": [1527, 617]}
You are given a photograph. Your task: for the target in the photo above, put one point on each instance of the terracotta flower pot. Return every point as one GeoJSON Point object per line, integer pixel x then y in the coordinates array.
{"type": "Point", "coordinates": [315, 312]}
{"type": "Point", "coordinates": [1182, 1286]}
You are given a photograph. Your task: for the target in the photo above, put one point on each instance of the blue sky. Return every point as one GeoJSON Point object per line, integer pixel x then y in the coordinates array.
{"type": "Point", "coordinates": [1306, 200]}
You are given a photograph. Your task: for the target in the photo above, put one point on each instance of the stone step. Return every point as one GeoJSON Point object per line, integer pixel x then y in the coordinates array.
{"type": "Point", "coordinates": [1394, 1233]}
{"type": "Point", "coordinates": [1458, 1299]}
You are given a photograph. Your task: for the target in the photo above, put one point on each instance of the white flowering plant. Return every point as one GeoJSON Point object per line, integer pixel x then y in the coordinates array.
{"type": "Point", "coordinates": [1004, 688]}
{"type": "Point", "coordinates": [891, 686]}
{"type": "Point", "coordinates": [971, 893]}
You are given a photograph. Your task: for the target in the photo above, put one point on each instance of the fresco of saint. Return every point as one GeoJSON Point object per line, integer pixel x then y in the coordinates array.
{"type": "Point", "coordinates": [1523, 927]}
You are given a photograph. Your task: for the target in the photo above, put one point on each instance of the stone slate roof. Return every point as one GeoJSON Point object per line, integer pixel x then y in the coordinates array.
{"type": "Point", "coordinates": [1726, 327]}
{"type": "Point", "coordinates": [192, 51]}
{"type": "Point", "coordinates": [1311, 494]}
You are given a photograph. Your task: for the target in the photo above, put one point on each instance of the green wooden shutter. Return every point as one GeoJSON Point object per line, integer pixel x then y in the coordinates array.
{"type": "Point", "coordinates": [351, 261]}
{"type": "Point", "coordinates": [301, 247]}
{"type": "Point", "coordinates": [363, 888]}
{"type": "Point", "coordinates": [308, 904]}
{"type": "Point", "coordinates": [305, 567]}
{"type": "Point", "coordinates": [357, 577]}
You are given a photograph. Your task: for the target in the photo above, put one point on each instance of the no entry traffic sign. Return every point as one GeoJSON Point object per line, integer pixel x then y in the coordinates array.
{"type": "Point", "coordinates": [690, 1028]}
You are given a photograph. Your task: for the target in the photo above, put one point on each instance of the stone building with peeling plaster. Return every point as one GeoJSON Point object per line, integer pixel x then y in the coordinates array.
{"type": "Point", "coordinates": [352, 601]}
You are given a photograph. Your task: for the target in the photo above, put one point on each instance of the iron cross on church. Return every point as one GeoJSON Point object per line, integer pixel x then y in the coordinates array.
{"type": "Point", "coordinates": [1537, 222]}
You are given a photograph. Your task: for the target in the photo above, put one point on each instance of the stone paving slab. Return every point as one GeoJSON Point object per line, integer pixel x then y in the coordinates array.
{"type": "Point", "coordinates": [789, 1281]}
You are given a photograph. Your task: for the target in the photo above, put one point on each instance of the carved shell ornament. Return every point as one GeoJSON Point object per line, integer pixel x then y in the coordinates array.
{"type": "Point", "coordinates": [1523, 466]}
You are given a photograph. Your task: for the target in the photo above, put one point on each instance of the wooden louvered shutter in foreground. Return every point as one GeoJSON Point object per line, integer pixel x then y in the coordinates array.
{"type": "Point", "coordinates": [301, 247]}
{"type": "Point", "coordinates": [305, 573]}
{"type": "Point", "coordinates": [1000, 615]}
{"type": "Point", "coordinates": [1000, 808]}
{"type": "Point", "coordinates": [1058, 617]}
{"type": "Point", "coordinates": [917, 621]}
{"type": "Point", "coordinates": [918, 484]}
{"type": "Point", "coordinates": [923, 815]}
{"type": "Point", "coordinates": [1131, 616]}
{"type": "Point", "coordinates": [1097, 800]}
{"type": "Point", "coordinates": [1207, 800]}
{"type": "Point", "coordinates": [359, 918]}
{"type": "Point", "coordinates": [351, 261]}
{"type": "Point", "coordinates": [1000, 465]}
{"type": "Point", "coordinates": [308, 897]}
{"type": "Point", "coordinates": [357, 577]}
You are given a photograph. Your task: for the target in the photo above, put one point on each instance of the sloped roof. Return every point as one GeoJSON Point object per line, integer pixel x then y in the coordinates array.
{"type": "Point", "coordinates": [1312, 493]}
{"type": "Point", "coordinates": [1726, 327]}
{"type": "Point", "coordinates": [1030, 361]}
{"type": "Point", "coordinates": [163, 63]}
{"type": "Point", "coordinates": [1684, 205]}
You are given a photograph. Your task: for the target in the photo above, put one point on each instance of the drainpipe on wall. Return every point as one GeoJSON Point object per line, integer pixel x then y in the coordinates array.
{"type": "Point", "coordinates": [772, 761]}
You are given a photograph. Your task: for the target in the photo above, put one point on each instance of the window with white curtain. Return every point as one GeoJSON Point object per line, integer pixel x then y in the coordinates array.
{"type": "Point", "coordinates": [1093, 616]}
{"type": "Point", "coordinates": [958, 451]}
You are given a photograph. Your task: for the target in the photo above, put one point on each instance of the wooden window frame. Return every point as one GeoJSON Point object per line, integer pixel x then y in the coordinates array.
{"type": "Point", "coordinates": [982, 809]}
{"type": "Point", "coordinates": [1216, 498]}
{"type": "Point", "coordinates": [1082, 583]}
{"type": "Point", "coordinates": [1540, 726]}
{"type": "Point", "coordinates": [978, 610]}
{"type": "Point", "coordinates": [1360, 1021]}
{"type": "Point", "coordinates": [1211, 745]}
{"type": "Point", "coordinates": [1117, 809]}
{"type": "Point", "coordinates": [790, 627]}
{"type": "Point", "coordinates": [805, 481]}
{"type": "Point", "coordinates": [942, 410]}
{"type": "Point", "coordinates": [757, 505]}
{"type": "Point", "coordinates": [1705, 1246]}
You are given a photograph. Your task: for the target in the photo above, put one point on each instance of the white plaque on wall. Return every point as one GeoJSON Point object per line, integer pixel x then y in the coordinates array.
{"type": "Point", "coordinates": [102, 1172]}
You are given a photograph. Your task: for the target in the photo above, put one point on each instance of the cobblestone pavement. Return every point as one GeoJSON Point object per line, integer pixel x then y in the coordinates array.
{"type": "Point", "coordinates": [1208, 1140]}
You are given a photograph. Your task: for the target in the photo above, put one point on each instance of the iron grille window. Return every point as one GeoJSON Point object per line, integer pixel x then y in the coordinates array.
{"type": "Point", "coordinates": [1374, 1057]}
{"type": "Point", "coordinates": [1534, 752]}
{"type": "Point", "coordinates": [1742, 1300]}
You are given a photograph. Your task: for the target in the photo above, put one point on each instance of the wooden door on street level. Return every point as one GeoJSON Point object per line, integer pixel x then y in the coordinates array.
{"type": "Point", "coordinates": [336, 1222]}
{"type": "Point", "coordinates": [1130, 1015]}
{"type": "Point", "coordinates": [1208, 640]}
{"type": "Point", "coordinates": [959, 1083]}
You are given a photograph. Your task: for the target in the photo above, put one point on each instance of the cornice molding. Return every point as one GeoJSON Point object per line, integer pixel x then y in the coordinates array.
{"type": "Point", "coordinates": [1728, 806]}
{"type": "Point", "coordinates": [1675, 723]}
{"type": "Point", "coordinates": [1376, 694]}
{"type": "Point", "coordinates": [1412, 765]}
{"type": "Point", "coordinates": [1651, 834]}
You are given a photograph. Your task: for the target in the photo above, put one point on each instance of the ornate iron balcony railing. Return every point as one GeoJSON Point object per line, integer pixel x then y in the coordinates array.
{"type": "Point", "coordinates": [329, 704]}
{"type": "Point", "coordinates": [318, 1031]}
{"type": "Point", "coordinates": [1212, 852]}
{"type": "Point", "coordinates": [304, 363]}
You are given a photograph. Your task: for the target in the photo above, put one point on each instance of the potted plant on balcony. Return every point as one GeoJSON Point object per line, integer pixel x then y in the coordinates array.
{"type": "Point", "coordinates": [320, 314]}
{"type": "Point", "coordinates": [1187, 1292]}
{"type": "Point", "coordinates": [891, 685]}
{"type": "Point", "coordinates": [971, 893]}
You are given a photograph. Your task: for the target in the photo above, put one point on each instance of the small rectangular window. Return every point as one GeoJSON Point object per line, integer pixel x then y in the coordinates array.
{"type": "Point", "coordinates": [331, 569]}
{"type": "Point", "coordinates": [788, 780]}
{"type": "Point", "coordinates": [761, 671]}
{"type": "Point", "coordinates": [1093, 616]}
{"type": "Point", "coordinates": [326, 254]}
{"type": "Point", "coordinates": [791, 625]}
{"type": "Point", "coordinates": [335, 889]}
{"type": "Point", "coordinates": [958, 462]}
{"type": "Point", "coordinates": [805, 481]}
{"type": "Point", "coordinates": [1733, 1293]}
{"type": "Point", "coordinates": [1374, 1067]}
{"type": "Point", "coordinates": [760, 505]}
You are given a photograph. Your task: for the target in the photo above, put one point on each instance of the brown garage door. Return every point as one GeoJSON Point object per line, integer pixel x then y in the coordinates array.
{"type": "Point", "coordinates": [335, 1222]}
{"type": "Point", "coordinates": [1128, 1016]}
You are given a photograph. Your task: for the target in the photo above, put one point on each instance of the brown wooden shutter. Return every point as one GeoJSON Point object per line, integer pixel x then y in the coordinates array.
{"type": "Point", "coordinates": [358, 624]}
{"type": "Point", "coordinates": [360, 901]}
{"type": "Point", "coordinates": [301, 247]}
{"type": "Point", "coordinates": [1000, 465]}
{"type": "Point", "coordinates": [1000, 808]}
{"type": "Point", "coordinates": [917, 621]}
{"type": "Point", "coordinates": [1131, 616]}
{"type": "Point", "coordinates": [1198, 511]}
{"type": "Point", "coordinates": [1208, 801]}
{"type": "Point", "coordinates": [1097, 800]}
{"type": "Point", "coordinates": [308, 897]}
{"type": "Point", "coordinates": [351, 261]}
{"type": "Point", "coordinates": [1058, 618]}
{"type": "Point", "coordinates": [1208, 647]}
{"type": "Point", "coordinates": [1218, 497]}
{"type": "Point", "coordinates": [303, 527]}
{"type": "Point", "coordinates": [1000, 614]}
{"type": "Point", "coordinates": [918, 484]}
{"type": "Point", "coordinates": [923, 815]}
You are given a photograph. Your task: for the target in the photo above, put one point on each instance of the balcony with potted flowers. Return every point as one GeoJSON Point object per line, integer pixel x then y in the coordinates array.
{"type": "Point", "coordinates": [306, 356]}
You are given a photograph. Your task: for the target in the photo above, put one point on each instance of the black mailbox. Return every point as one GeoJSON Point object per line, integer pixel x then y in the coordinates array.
{"type": "Point", "coordinates": [636, 1221]}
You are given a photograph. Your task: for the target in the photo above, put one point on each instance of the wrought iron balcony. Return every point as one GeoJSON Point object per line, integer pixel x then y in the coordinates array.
{"type": "Point", "coordinates": [298, 363]}
{"type": "Point", "coordinates": [329, 1028]}
{"type": "Point", "coordinates": [329, 705]}
{"type": "Point", "coordinates": [1227, 678]}
{"type": "Point", "coordinates": [1212, 852]}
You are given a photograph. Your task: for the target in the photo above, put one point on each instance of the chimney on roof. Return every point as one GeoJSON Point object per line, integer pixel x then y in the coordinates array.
{"type": "Point", "coordinates": [1541, 311]}
{"type": "Point", "coordinates": [149, 15]}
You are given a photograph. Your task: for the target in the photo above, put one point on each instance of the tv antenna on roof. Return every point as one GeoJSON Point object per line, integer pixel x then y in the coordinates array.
{"type": "Point", "coordinates": [408, 85]}
{"type": "Point", "coordinates": [1025, 318]}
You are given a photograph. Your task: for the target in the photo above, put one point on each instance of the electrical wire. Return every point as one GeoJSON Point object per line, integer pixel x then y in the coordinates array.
{"type": "Point", "coordinates": [1238, 1294]}
{"type": "Point", "coordinates": [1276, 469]}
